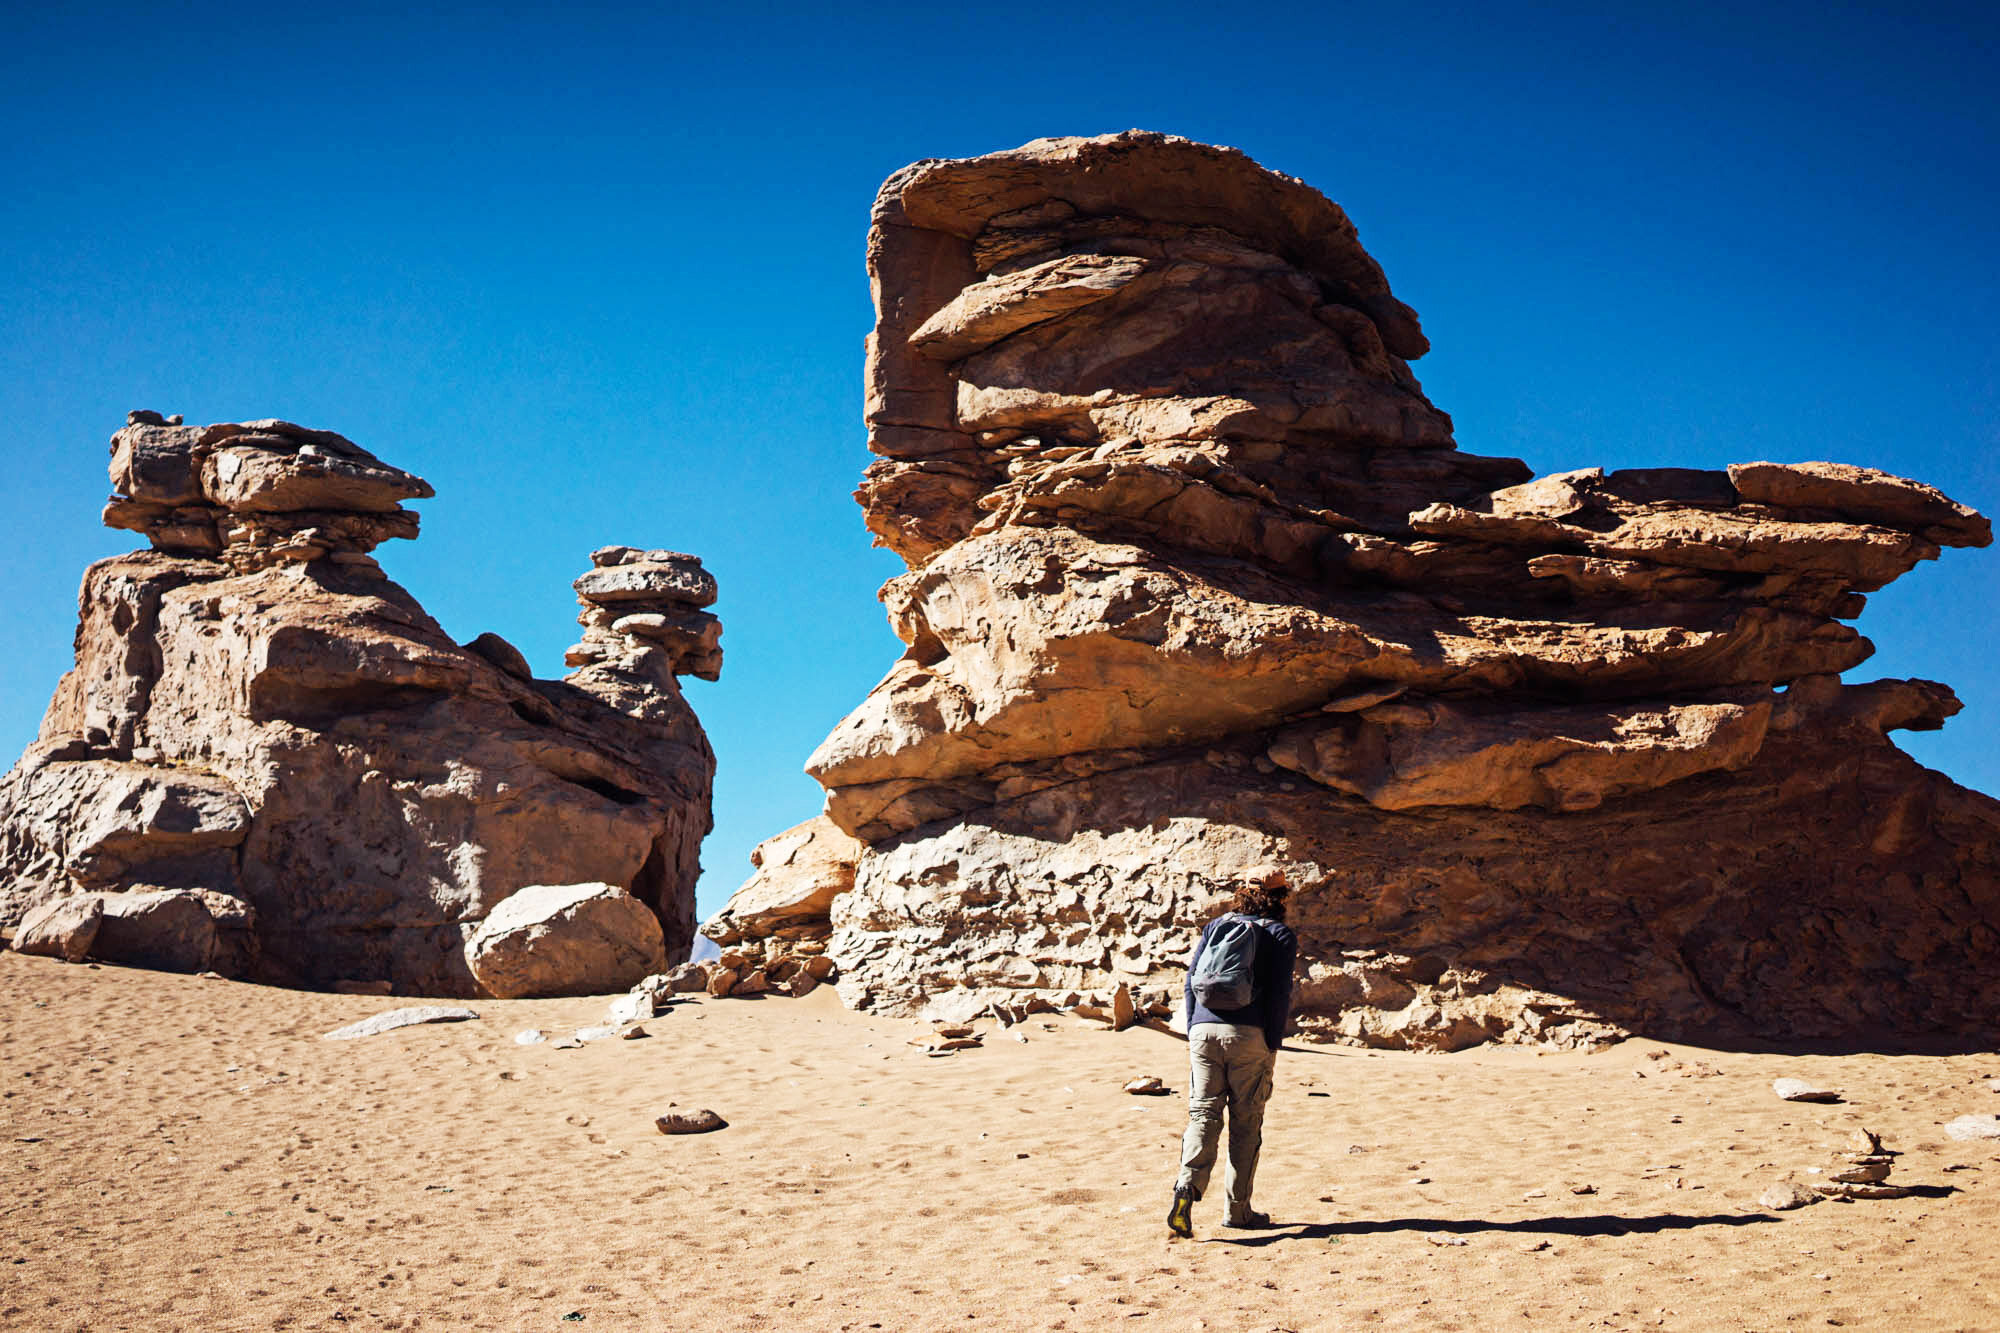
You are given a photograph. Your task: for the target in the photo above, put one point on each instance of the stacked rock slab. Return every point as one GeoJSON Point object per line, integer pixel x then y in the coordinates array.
{"type": "Point", "coordinates": [263, 728]}
{"type": "Point", "coordinates": [641, 604]}
{"type": "Point", "coordinates": [1199, 583]}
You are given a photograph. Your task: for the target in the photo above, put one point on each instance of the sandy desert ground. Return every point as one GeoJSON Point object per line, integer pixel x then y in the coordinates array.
{"type": "Point", "coordinates": [181, 1153]}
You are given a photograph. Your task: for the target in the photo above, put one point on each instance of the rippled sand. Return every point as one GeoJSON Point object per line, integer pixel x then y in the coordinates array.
{"type": "Point", "coordinates": [177, 1153]}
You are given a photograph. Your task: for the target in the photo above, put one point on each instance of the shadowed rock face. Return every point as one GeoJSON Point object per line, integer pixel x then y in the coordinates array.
{"type": "Point", "coordinates": [256, 711]}
{"type": "Point", "coordinates": [1199, 584]}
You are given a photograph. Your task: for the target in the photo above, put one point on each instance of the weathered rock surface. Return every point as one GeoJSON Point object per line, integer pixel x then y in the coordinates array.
{"type": "Point", "coordinates": [259, 718]}
{"type": "Point", "coordinates": [799, 874]}
{"type": "Point", "coordinates": [1198, 582]}
{"type": "Point", "coordinates": [177, 930]}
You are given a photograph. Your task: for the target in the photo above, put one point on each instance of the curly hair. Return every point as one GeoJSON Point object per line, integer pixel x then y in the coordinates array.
{"type": "Point", "coordinates": [1263, 899]}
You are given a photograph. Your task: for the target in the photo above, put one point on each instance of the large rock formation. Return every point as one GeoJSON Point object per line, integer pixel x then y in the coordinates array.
{"type": "Point", "coordinates": [1200, 584]}
{"type": "Point", "coordinates": [260, 720]}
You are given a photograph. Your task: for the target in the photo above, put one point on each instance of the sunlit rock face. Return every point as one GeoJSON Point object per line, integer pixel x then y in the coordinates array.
{"type": "Point", "coordinates": [260, 717]}
{"type": "Point", "coordinates": [1199, 586]}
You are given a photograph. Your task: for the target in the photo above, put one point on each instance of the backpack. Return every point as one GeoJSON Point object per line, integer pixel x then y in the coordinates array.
{"type": "Point", "coordinates": [1225, 978]}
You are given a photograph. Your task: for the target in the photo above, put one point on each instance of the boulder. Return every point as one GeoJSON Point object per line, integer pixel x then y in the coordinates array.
{"type": "Point", "coordinates": [62, 928]}
{"type": "Point", "coordinates": [1198, 582]}
{"type": "Point", "coordinates": [258, 711]}
{"type": "Point", "coordinates": [177, 930]}
{"type": "Point", "coordinates": [565, 939]}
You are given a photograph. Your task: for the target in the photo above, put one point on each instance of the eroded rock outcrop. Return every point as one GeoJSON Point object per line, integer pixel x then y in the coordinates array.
{"type": "Point", "coordinates": [1199, 582]}
{"type": "Point", "coordinates": [263, 729]}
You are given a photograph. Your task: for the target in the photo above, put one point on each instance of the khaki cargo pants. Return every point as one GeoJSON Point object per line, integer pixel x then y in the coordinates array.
{"type": "Point", "coordinates": [1230, 1067]}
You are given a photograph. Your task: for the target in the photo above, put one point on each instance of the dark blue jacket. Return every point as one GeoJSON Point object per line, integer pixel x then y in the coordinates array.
{"type": "Point", "coordinates": [1270, 1007]}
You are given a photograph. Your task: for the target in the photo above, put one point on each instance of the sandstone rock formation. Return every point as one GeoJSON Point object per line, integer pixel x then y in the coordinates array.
{"type": "Point", "coordinates": [264, 729]}
{"type": "Point", "coordinates": [773, 930]}
{"type": "Point", "coordinates": [1198, 582]}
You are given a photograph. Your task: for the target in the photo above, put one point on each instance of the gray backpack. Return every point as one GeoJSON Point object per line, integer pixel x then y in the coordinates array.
{"type": "Point", "coordinates": [1225, 976]}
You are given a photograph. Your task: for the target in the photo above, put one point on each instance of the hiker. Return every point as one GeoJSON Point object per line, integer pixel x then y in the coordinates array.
{"type": "Point", "coordinates": [1239, 999]}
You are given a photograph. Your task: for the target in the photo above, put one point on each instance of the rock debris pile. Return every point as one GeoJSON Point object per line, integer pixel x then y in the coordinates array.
{"type": "Point", "coordinates": [1199, 583]}
{"type": "Point", "coordinates": [269, 761]}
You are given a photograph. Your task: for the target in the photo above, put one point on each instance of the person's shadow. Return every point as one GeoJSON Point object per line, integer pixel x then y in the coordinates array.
{"type": "Point", "coordinates": [1597, 1224]}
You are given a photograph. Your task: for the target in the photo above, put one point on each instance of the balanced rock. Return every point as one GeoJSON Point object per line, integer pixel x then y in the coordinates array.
{"type": "Point", "coordinates": [565, 939]}
{"type": "Point", "coordinates": [647, 605]}
{"type": "Point", "coordinates": [325, 786]}
{"type": "Point", "coordinates": [1198, 583]}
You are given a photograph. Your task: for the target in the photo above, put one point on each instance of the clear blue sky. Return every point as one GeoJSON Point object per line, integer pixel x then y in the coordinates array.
{"type": "Point", "coordinates": [596, 273]}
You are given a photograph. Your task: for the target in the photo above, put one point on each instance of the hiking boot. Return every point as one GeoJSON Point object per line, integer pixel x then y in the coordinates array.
{"type": "Point", "coordinates": [1180, 1217]}
{"type": "Point", "coordinates": [1248, 1219]}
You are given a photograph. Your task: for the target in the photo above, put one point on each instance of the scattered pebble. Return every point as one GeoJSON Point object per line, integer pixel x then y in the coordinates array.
{"type": "Point", "coordinates": [1583, 1189]}
{"type": "Point", "coordinates": [1147, 1087]}
{"type": "Point", "coordinates": [634, 1033]}
{"type": "Point", "coordinates": [530, 1037]}
{"type": "Point", "coordinates": [1798, 1090]}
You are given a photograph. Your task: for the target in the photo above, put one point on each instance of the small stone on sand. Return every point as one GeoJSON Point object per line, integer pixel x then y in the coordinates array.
{"type": "Point", "coordinates": [698, 1121]}
{"type": "Point", "coordinates": [1969, 1127]}
{"type": "Point", "coordinates": [401, 1018]}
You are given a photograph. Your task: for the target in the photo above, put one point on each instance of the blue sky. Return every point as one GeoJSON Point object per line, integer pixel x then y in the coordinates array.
{"type": "Point", "coordinates": [596, 273]}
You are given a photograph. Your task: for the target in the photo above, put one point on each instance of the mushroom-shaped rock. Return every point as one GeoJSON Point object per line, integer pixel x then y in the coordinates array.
{"type": "Point", "coordinates": [257, 711]}
{"type": "Point", "coordinates": [1198, 581]}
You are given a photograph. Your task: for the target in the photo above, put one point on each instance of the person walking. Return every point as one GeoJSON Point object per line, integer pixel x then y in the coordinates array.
{"type": "Point", "coordinates": [1239, 1000]}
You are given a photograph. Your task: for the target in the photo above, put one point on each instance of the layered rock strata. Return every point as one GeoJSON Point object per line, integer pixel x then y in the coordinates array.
{"type": "Point", "coordinates": [259, 717]}
{"type": "Point", "coordinates": [1198, 582]}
